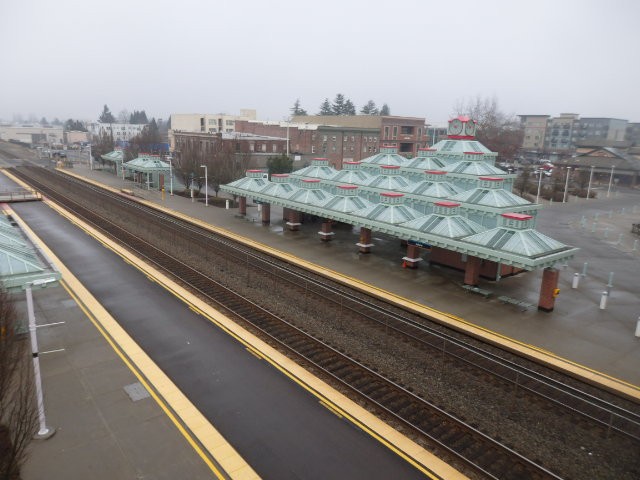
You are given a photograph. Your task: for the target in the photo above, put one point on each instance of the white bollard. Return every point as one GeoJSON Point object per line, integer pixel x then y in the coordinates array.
{"type": "Point", "coordinates": [227, 204]}
{"type": "Point", "coordinates": [603, 300]}
{"type": "Point", "coordinates": [638, 328]}
{"type": "Point", "coordinates": [576, 280]}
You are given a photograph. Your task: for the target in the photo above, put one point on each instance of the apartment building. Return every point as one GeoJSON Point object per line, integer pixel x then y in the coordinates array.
{"type": "Point", "coordinates": [120, 132]}
{"type": "Point", "coordinates": [535, 129]}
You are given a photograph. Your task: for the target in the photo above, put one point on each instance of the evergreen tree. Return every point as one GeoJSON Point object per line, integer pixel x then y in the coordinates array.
{"type": "Point", "coordinates": [138, 117]}
{"type": "Point", "coordinates": [280, 164]}
{"type": "Point", "coordinates": [370, 109]}
{"type": "Point", "coordinates": [297, 109]}
{"type": "Point", "coordinates": [338, 105]}
{"type": "Point", "coordinates": [75, 125]}
{"type": "Point", "coordinates": [349, 108]}
{"type": "Point", "coordinates": [56, 121]}
{"type": "Point", "coordinates": [325, 108]}
{"type": "Point", "coordinates": [385, 110]}
{"type": "Point", "coordinates": [106, 116]}
{"type": "Point", "coordinates": [43, 121]}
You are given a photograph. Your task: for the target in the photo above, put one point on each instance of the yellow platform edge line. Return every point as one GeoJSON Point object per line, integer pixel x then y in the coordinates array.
{"type": "Point", "coordinates": [153, 379]}
{"type": "Point", "coordinates": [421, 459]}
{"type": "Point", "coordinates": [551, 359]}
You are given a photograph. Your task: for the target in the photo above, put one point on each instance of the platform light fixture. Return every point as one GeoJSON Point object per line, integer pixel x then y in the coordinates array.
{"type": "Point", "coordinates": [206, 186]}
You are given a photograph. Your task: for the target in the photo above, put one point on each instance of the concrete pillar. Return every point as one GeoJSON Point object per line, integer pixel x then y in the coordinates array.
{"type": "Point", "coordinates": [266, 213]}
{"type": "Point", "coordinates": [472, 270]}
{"type": "Point", "coordinates": [365, 240]}
{"type": "Point", "coordinates": [294, 220]}
{"type": "Point", "coordinates": [548, 289]}
{"type": "Point", "coordinates": [242, 205]}
{"type": "Point", "coordinates": [413, 256]}
{"type": "Point", "coordinates": [326, 232]}
{"type": "Point", "coordinates": [285, 213]}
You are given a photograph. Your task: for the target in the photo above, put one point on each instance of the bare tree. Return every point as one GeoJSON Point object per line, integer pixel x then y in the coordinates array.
{"type": "Point", "coordinates": [189, 157]}
{"type": "Point", "coordinates": [18, 410]}
{"type": "Point", "coordinates": [498, 131]}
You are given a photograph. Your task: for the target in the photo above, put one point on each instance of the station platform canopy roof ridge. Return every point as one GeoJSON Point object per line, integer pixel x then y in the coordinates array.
{"type": "Point", "coordinates": [319, 168]}
{"type": "Point", "coordinates": [253, 182]}
{"type": "Point", "coordinates": [420, 163]}
{"type": "Point", "coordinates": [390, 210]}
{"type": "Point", "coordinates": [147, 164]}
{"type": "Point", "coordinates": [351, 173]}
{"type": "Point", "coordinates": [387, 155]}
{"type": "Point", "coordinates": [476, 168]}
{"type": "Point", "coordinates": [280, 186]}
{"type": "Point", "coordinates": [451, 148]}
{"type": "Point", "coordinates": [346, 200]}
{"type": "Point", "coordinates": [446, 221]}
{"type": "Point", "coordinates": [114, 156]}
{"type": "Point", "coordinates": [310, 192]}
{"type": "Point", "coordinates": [490, 193]}
{"type": "Point", "coordinates": [389, 178]}
{"type": "Point", "coordinates": [20, 263]}
{"type": "Point", "coordinates": [515, 234]}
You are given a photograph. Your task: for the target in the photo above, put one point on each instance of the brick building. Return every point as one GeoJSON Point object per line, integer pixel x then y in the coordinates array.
{"type": "Point", "coordinates": [343, 138]}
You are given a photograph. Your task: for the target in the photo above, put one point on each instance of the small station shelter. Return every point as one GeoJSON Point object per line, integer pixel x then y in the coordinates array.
{"type": "Point", "coordinates": [451, 200]}
{"type": "Point", "coordinates": [114, 159]}
{"type": "Point", "coordinates": [149, 171]}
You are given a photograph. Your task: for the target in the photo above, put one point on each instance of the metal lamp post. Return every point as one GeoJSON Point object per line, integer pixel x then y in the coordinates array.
{"type": "Point", "coordinates": [170, 178]}
{"type": "Point", "coordinates": [539, 185]}
{"type": "Point", "coordinates": [43, 431]}
{"type": "Point", "coordinates": [566, 186]}
{"type": "Point", "coordinates": [206, 186]}
{"type": "Point", "coordinates": [590, 178]}
{"type": "Point", "coordinates": [90, 159]}
{"type": "Point", "coordinates": [610, 181]}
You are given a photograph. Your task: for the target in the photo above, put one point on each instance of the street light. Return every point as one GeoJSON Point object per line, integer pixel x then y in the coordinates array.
{"type": "Point", "coordinates": [44, 431]}
{"type": "Point", "coordinates": [610, 180]}
{"type": "Point", "coordinates": [539, 185]}
{"type": "Point", "coordinates": [566, 185]}
{"type": "Point", "coordinates": [90, 159]}
{"type": "Point", "coordinates": [590, 178]}
{"type": "Point", "coordinates": [206, 187]}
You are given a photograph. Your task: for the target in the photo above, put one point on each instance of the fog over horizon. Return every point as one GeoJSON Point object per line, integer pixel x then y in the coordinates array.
{"type": "Point", "coordinates": [67, 59]}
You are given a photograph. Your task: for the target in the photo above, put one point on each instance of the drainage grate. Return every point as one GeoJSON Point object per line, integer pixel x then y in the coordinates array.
{"type": "Point", "coordinates": [136, 391]}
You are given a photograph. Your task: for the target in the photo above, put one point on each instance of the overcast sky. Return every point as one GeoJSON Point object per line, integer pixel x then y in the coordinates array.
{"type": "Point", "coordinates": [68, 58]}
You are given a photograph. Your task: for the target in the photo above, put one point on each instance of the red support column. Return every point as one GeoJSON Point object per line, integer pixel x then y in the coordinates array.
{"type": "Point", "coordinates": [413, 256]}
{"type": "Point", "coordinates": [326, 232]}
{"type": "Point", "coordinates": [242, 205]}
{"type": "Point", "coordinates": [472, 271]}
{"type": "Point", "coordinates": [294, 220]}
{"type": "Point", "coordinates": [548, 289]}
{"type": "Point", "coordinates": [365, 240]}
{"type": "Point", "coordinates": [266, 213]}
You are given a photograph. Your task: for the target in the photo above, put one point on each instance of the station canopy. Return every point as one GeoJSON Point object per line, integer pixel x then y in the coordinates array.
{"type": "Point", "coordinates": [392, 190]}
{"type": "Point", "coordinates": [147, 164]}
{"type": "Point", "coordinates": [20, 263]}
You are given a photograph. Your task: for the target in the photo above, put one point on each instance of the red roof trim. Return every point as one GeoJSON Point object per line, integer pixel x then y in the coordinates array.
{"type": "Point", "coordinates": [390, 167]}
{"type": "Point", "coordinates": [320, 158]}
{"type": "Point", "coordinates": [436, 172]}
{"type": "Point", "coordinates": [256, 171]}
{"type": "Point", "coordinates": [444, 203]}
{"type": "Point", "coordinates": [348, 187]}
{"type": "Point", "coordinates": [517, 216]}
{"type": "Point", "coordinates": [492, 179]}
{"type": "Point", "coordinates": [281, 175]}
{"type": "Point", "coordinates": [311, 180]}
{"type": "Point", "coordinates": [352, 163]}
{"type": "Point", "coordinates": [460, 137]}
{"type": "Point", "coordinates": [392, 194]}
{"type": "Point", "coordinates": [473, 153]}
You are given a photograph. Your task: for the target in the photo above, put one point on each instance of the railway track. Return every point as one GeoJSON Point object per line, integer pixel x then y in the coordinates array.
{"type": "Point", "coordinates": [460, 439]}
